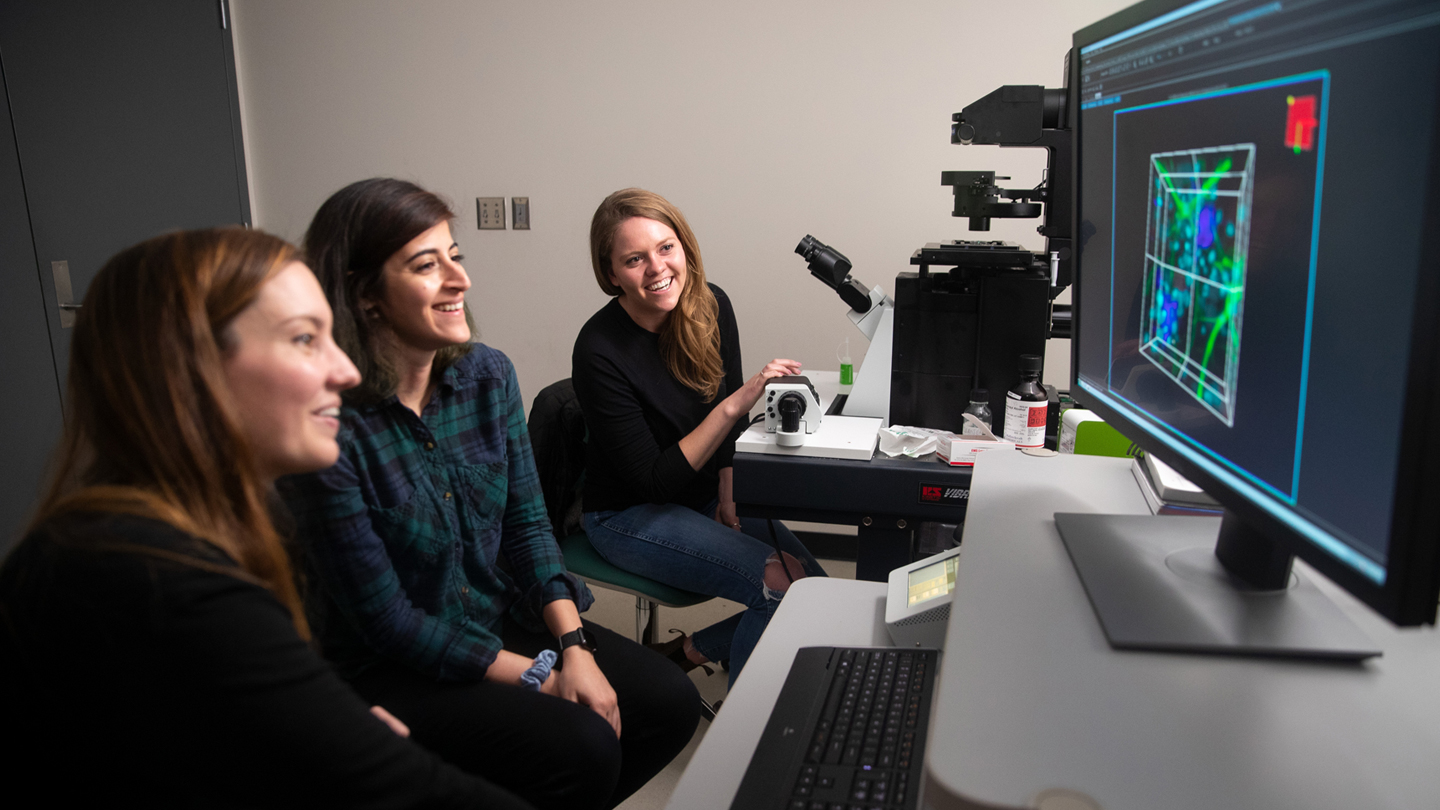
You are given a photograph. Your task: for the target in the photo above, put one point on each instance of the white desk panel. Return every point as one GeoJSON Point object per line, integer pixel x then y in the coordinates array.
{"type": "Point", "coordinates": [1032, 697]}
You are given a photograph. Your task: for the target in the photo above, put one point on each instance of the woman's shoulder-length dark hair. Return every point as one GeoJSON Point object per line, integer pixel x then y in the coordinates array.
{"type": "Point", "coordinates": [347, 244]}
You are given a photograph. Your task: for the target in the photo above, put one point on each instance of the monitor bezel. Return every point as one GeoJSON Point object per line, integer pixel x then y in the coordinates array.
{"type": "Point", "coordinates": [1411, 590]}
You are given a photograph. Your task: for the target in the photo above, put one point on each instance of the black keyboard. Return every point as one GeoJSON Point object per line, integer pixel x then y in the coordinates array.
{"type": "Point", "coordinates": [847, 733]}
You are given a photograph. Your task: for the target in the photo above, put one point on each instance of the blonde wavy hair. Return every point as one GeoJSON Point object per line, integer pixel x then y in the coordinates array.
{"type": "Point", "coordinates": [690, 338]}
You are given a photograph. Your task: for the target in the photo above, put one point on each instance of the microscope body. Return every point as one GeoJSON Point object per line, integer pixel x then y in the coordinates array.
{"type": "Point", "coordinates": [965, 325]}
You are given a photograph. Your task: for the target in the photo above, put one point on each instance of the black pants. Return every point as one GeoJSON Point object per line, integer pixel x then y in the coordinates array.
{"type": "Point", "coordinates": [554, 753]}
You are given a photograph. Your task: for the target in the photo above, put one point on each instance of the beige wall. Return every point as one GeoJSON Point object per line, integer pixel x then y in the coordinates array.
{"type": "Point", "coordinates": [762, 121]}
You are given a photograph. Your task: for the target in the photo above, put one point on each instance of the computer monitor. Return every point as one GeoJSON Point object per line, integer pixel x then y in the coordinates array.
{"type": "Point", "coordinates": [1257, 226]}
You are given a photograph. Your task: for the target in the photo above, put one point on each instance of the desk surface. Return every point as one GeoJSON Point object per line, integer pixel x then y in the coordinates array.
{"type": "Point", "coordinates": [1032, 697]}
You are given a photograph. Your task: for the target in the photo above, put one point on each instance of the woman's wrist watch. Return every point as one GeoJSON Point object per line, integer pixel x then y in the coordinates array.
{"type": "Point", "coordinates": [579, 637]}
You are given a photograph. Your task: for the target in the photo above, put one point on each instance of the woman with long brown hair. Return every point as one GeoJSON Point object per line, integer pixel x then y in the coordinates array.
{"type": "Point", "coordinates": [152, 637]}
{"type": "Point", "coordinates": [445, 594]}
{"type": "Point", "coordinates": [657, 372]}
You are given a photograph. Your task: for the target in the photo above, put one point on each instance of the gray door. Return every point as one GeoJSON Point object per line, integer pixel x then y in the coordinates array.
{"type": "Point", "coordinates": [30, 404]}
{"type": "Point", "coordinates": [125, 120]}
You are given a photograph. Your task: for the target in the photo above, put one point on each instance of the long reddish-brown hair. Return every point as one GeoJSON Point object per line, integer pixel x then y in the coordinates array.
{"type": "Point", "coordinates": [690, 338]}
{"type": "Point", "coordinates": [150, 426]}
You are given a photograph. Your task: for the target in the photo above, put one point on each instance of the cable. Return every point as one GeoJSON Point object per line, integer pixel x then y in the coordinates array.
{"type": "Point", "coordinates": [775, 541]}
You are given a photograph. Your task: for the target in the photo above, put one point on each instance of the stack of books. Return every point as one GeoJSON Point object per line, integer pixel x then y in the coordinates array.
{"type": "Point", "coordinates": [1170, 493]}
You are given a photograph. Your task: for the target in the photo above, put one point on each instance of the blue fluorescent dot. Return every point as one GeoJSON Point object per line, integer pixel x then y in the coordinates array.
{"type": "Point", "coordinates": [1207, 227]}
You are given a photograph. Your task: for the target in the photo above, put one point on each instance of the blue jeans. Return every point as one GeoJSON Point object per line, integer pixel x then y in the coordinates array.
{"type": "Point", "coordinates": [686, 549]}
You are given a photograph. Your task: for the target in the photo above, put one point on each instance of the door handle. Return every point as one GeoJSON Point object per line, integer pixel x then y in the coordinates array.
{"type": "Point", "coordinates": [64, 296]}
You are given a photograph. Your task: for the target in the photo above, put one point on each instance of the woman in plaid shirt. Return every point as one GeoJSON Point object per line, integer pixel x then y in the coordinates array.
{"type": "Point", "coordinates": [443, 587]}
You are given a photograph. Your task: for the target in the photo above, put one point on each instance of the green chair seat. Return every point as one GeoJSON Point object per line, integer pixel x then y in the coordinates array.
{"type": "Point", "coordinates": [582, 560]}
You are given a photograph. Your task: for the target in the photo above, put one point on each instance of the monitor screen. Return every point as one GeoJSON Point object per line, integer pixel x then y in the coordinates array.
{"type": "Point", "coordinates": [1256, 232]}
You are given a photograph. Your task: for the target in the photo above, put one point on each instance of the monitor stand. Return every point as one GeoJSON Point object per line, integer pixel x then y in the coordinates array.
{"type": "Point", "coordinates": [1157, 583]}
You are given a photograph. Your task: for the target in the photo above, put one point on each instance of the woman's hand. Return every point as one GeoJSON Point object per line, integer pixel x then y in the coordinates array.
{"type": "Point", "coordinates": [390, 720]}
{"type": "Point", "coordinates": [581, 681]}
{"type": "Point", "coordinates": [725, 513]}
{"type": "Point", "coordinates": [754, 388]}
{"type": "Point", "coordinates": [702, 442]}
{"type": "Point", "coordinates": [725, 509]}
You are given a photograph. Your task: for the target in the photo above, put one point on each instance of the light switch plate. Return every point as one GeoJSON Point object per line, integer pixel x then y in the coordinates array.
{"type": "Point", "coordinates": [520, 213]}
{"type": "Point", "coordinates": [490, 213]}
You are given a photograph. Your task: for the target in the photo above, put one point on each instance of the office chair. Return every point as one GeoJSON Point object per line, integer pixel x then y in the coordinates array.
{"type": "Point", "coordinates": [557, 435]}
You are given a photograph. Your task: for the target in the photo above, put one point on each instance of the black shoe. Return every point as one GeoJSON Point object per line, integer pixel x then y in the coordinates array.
{"type": "Point", "coordinates": [674, 649]}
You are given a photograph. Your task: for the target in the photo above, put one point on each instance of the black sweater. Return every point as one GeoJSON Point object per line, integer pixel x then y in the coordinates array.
{"type": "Point", "coordinates": [637, 413]}
{"type": "Point", "coordinates": [127, 671]}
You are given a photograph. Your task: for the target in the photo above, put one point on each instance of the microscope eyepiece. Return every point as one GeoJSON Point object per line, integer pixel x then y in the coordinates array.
{"type": "Point", "coordinates": [830, 266]}
{"type": "Point", "coordinates": [826, 263]}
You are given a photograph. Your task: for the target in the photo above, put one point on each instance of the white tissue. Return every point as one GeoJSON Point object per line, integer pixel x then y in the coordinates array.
{"type": "Point", "coordinates": [913, 442]}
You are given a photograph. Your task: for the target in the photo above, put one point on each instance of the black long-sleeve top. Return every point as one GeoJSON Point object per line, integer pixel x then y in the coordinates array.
{"type": "Point", "coordinates": [129, 671]}
{"type": "Point", "coordinates": [637, 413]}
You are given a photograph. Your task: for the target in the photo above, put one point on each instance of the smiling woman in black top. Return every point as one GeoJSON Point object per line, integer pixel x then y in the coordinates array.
{"type": "Point", "coordinates": [658, 375]}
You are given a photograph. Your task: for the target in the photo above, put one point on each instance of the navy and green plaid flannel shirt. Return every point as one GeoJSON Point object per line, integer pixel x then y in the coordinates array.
{"type": "Point", "coordinates": [405, 532]}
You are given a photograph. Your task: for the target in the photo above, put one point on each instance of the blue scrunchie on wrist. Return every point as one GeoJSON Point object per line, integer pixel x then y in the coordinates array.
{"type": "Point", "coordinates": [534, 677]}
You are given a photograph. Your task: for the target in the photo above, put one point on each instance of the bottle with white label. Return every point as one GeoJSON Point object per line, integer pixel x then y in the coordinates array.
{"type": "Point", "coordinates": [980, 407]}
{"type": "Point", "coordinates": [1026, 406]}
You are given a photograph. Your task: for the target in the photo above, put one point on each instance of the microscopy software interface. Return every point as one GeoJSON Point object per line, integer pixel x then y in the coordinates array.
{"type": "Point", "coordinates": [1252, 180]}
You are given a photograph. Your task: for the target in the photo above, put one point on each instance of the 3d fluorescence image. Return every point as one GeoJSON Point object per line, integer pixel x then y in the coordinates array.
{"type": "Point", "coordinates": [1197, 232]}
